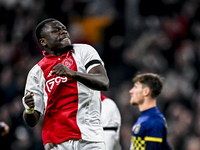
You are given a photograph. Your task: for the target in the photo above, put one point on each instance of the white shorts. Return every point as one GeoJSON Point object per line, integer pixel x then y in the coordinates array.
{"type": "Point", "coordinates": [76, 145]}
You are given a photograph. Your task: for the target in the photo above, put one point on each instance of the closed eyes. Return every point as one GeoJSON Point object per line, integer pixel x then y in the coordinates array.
{"type": "Point", "coordinates": [58, 29]}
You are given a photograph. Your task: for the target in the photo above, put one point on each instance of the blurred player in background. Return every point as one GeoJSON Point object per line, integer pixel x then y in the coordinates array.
{"type": "Point", "coordinates": [4, 128]}
{"type": "Point", "coordinates": [150, 130]}
{"type": "Point", "coordinates": [111, 121]}
{"type": "Point", "coordinates": [65, 87]}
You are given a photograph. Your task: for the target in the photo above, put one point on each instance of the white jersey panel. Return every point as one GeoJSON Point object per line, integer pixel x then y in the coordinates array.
{"type": "Point", "coordinates": [110, 116]}
{"type": "Point", "coordinates": [35, 83]}
{"type": "Point", "coordinates": [89, 105]}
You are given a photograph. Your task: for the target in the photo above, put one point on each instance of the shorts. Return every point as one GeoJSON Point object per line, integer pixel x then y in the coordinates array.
{"type": "Point", "coordinates": [76, 145]}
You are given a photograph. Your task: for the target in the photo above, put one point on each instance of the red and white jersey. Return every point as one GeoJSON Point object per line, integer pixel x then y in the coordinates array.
{"type": "Point", "coordinates": [110, 115]}
{"type": "Point", "coordinates": [71, 110]}
{"type": "Point", "coordinates": [111, 118]}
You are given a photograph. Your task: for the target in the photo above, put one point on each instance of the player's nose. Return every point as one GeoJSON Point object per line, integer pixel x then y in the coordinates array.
{"type": "Point", "coordinates": [63, 31]}
{"type": "Point", "coordinates": [131, 90]}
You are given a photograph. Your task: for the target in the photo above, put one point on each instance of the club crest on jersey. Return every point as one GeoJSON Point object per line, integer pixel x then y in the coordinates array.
{"type": "Point", "coordinates": [68, 62]}
{"type": "Point", "coordinates": [137, 129]}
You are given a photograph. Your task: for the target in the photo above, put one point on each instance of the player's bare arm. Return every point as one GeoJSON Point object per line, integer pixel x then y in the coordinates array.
{"type": "Point", "coordinates": [31, 117]}
{"type": "Point", "coordinates": [96, 78]}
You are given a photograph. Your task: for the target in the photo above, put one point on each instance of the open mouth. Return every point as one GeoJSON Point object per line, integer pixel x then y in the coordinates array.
{"type": "Point", "coordinates": [65, 39]}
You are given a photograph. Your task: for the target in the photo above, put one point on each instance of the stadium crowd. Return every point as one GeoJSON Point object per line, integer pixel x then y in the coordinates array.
{"type": "Point", "coordinates": [159, 36]}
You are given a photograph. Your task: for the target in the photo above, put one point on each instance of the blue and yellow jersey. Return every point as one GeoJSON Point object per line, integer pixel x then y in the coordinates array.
{"type": "Point", "coordinates": [150, 131]}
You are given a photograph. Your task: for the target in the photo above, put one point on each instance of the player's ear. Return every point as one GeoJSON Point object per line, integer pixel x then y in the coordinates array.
{"type": "Point", "coordinates": [43, 42]}
{"type": "Point", "coordinates": [146, 91]}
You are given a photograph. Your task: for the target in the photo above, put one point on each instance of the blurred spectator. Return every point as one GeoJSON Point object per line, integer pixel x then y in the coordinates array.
{"type": "Point", "coordinates": [4, 128]}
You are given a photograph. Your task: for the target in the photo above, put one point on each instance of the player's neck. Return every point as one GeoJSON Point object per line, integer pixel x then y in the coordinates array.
{"type": "Point", "coordinates": [59, 52]}
{"type": "Point", "coordinates": [148, 103]}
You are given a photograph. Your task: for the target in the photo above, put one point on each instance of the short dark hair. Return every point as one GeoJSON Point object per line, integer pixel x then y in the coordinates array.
{"type": "Point", "coordinates": [151, 80]}
{"type": "Point", "coordinates": [41, 25]}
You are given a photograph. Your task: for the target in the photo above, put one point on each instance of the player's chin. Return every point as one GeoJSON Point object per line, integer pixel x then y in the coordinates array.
{"type": "Point", "coordinates": [132, 102]}
{"type": "Point", "coordinates": [64, 44]}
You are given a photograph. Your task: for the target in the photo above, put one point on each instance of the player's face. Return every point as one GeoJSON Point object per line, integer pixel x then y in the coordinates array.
{"type": "Point", "coordinates": [56, 35]}
{"type": "Point", "coordinates": [136, 94]}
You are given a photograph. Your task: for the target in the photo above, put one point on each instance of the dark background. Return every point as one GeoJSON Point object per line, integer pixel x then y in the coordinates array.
{"type": "Point", "coordinates": [131, 36]}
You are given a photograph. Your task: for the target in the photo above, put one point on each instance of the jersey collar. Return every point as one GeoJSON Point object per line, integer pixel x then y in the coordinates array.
{"type": "Point", "coordinates": [63, 55]}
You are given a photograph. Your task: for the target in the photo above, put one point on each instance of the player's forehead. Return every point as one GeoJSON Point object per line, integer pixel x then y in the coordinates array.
{"type": "Point", "coordinates": [138, 84]}
{"type": "Point", "coordinates": [54, 24]}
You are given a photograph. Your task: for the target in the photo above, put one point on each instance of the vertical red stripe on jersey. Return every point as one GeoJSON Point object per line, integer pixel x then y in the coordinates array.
{"type": "Point", "coordinates": [62, 103]}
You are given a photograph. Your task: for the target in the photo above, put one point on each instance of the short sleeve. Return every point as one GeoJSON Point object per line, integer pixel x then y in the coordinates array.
{"type": "Point", "coordinates": [34, 84]}
{"type": "Point", "coordinates": [90, 57]}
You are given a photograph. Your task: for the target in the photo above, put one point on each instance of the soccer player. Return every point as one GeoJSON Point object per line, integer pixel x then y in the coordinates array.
{"type": "Point", "coordinates": [111, 121]}
{"type": "Point", "coordinates": [65, 87]}
{"type": "Point", "coordinates": [150, 130]}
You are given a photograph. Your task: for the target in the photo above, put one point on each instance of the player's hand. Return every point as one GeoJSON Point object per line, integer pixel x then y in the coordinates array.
{"type": "Point", "coordinates": [29, 104]}
{"type": "Point", "coordinates": [4, 128]}
{"type": "Point", "coordinates": [62, 70]}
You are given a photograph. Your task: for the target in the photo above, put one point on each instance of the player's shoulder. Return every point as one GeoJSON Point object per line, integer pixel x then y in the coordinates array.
{"type": "Point", "coordinates": [108, 101]}
{"type": "Point", "coordinates": [110, 105]}
{"type": "Point", "coordinates": [154, 121]}
{"type": "Point", "coordinates": [35, 70]}
{"type": "Point", "coordinates": [82, 47]}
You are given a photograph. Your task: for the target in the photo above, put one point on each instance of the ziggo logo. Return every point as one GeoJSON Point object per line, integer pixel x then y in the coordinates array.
{"type": "Point", "coordinates": [55, 81]}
